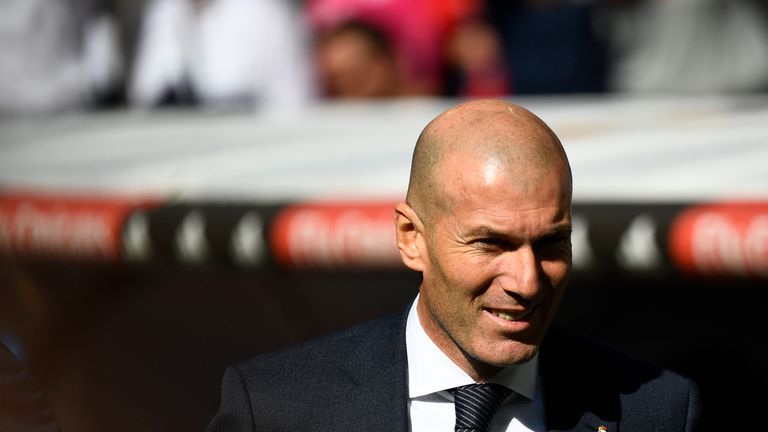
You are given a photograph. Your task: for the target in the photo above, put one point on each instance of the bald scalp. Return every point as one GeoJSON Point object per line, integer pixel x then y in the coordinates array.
{"type": "Point", "coordinates": [484, 132]}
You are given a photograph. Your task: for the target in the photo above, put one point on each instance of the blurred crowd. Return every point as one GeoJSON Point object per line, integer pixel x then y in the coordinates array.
{"type": "Point", "coordinates": [264, 54]}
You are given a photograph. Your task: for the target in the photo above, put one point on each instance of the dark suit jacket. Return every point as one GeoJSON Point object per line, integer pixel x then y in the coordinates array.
{"type": "Point", "coordinates": [356, 380]}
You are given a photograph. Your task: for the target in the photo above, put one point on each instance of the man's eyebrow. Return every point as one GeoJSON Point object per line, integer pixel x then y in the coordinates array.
{"type": "Point", "coordinates": [485, 231]}
{"type": "Point", "coordinates": [562, 228]}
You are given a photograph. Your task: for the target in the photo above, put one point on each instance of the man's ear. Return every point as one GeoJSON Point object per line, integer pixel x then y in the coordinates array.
{"type": "Point", "coordinates": [410, 238]}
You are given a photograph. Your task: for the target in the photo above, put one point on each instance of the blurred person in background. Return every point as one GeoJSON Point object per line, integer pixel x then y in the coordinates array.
{"type": "Point", "coordinates": [57, 55]}
{"type": "Point", "coordinates": [688, 45]}
{"type": "Point", "coordinates": [222, 53]}
{"type": "Point", "coordinates": [355, 61]}
{"type": "Point", "coordinates": [436, 47]}
{"type": "Point", "coordinates": [475, 62]}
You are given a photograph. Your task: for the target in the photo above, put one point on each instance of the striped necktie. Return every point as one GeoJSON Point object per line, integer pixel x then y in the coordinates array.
{"type": "Point", "coordinates": [476, 404]}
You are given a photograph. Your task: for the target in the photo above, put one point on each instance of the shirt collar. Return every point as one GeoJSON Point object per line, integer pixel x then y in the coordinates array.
{"type": "Point", "coordinates": [431, 371]}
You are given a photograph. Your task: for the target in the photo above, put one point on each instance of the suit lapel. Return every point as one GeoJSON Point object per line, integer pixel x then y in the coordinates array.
{"type": "Point", "coordinates": [378, 385]}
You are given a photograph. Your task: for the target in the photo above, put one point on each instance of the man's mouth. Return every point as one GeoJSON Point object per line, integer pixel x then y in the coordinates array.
{"type": "Point", "coordinates": [511, 316]}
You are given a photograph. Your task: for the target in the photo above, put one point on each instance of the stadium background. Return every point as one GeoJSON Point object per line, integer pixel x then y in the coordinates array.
{"type": "Point", "coordinates": [143, 251]}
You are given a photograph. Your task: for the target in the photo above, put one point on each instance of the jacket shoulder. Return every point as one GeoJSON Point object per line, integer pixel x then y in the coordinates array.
{"type": "Point", "coordinates": [594, 377]}
{"type": "Point", "coordinates": [327, 352]}
{"type": "Point", "coordinates": [310, 386]}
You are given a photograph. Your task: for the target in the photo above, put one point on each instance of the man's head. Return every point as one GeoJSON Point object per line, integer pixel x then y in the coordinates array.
{"type": "Point", "coordinates": [487, 222]}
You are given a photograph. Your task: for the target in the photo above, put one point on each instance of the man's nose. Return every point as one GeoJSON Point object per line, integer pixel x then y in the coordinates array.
{"type": "Point", "coordinates": [520, 274]}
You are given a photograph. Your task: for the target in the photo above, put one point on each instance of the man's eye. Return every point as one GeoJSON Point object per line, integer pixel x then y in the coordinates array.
{"type": "Point", "coordinates": [554, 241]}
{"type": "Point", "coordinates": [491, 243]}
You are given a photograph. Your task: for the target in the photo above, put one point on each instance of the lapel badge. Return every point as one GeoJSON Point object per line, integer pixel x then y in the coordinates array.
{"type": "Point", "coordinates": [602, 428]}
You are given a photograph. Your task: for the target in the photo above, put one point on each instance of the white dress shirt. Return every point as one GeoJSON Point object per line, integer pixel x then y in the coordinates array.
{"type": "Point", "coordinates": [431, 374]}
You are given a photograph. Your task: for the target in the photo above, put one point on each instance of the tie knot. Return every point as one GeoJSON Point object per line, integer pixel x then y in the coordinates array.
{"type": "Point", "coordinates": [476, 404]}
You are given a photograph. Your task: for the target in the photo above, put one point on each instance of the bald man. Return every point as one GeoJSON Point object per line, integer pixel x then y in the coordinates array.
{"type": "Point", "coordinates": [487, 223]}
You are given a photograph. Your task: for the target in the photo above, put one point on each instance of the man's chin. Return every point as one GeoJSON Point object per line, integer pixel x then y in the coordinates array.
{"type": "Point", "coordinates": [515, 354]}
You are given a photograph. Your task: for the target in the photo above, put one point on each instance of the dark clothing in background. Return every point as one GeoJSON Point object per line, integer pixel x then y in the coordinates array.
{"type": "Point", "coordinates": [22, 405]}
{"type": "Point", "coordinates": [550, 49]}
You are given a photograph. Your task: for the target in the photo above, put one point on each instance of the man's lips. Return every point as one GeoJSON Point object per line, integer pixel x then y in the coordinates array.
{"type": "Point", "coordinates": [509, 314]}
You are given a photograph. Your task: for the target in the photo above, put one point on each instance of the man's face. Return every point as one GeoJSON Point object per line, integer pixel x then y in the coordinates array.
{"type": "Point", "coordinates": [498, 260]}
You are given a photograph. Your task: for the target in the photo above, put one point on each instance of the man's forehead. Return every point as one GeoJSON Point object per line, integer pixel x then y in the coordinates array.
{"type": "Point", "coordinates": [500, 173]}
{"type": "Point", "coordinates": [559, 223]}
{"type": "Point", "coordinates": [491, 187]}
{"type": "Point", "coordinates": [556, 223]}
